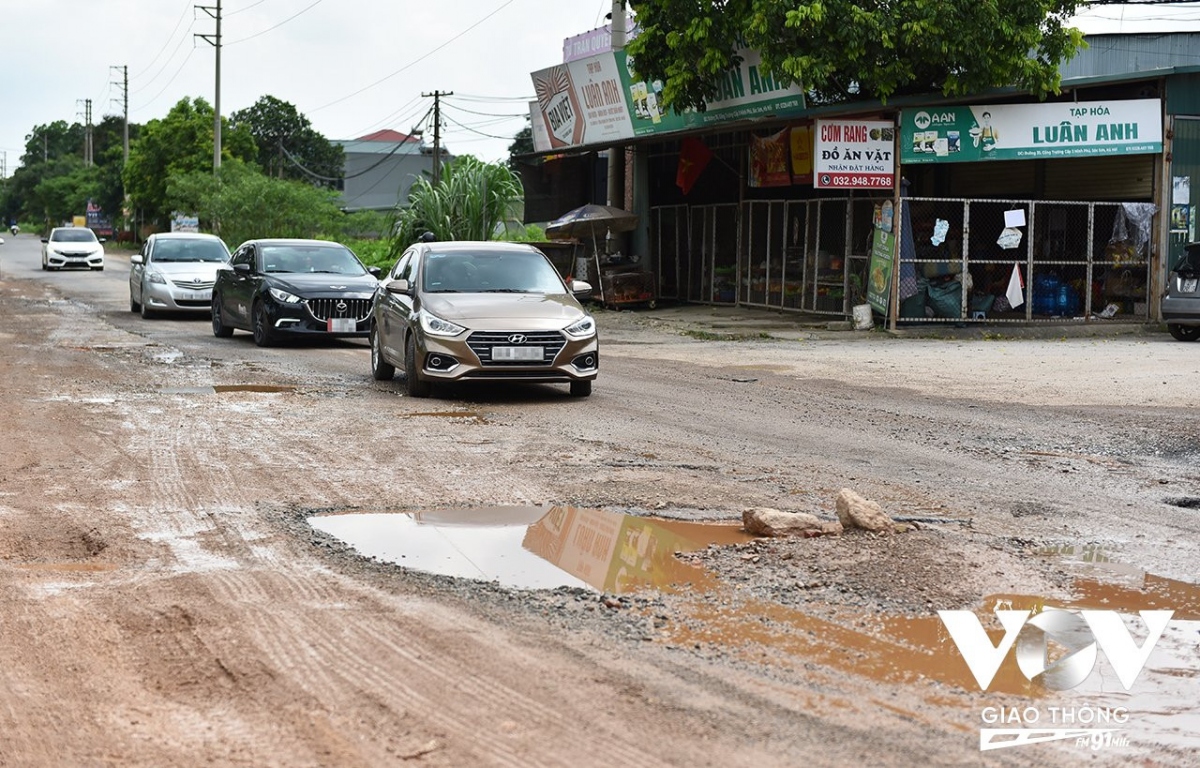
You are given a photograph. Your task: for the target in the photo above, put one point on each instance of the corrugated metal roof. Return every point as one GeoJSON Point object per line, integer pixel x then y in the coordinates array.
{"type": "Point", "coordinates": [1131, 55]}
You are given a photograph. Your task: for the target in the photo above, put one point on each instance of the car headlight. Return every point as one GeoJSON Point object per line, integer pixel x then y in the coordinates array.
{"type": "Point", "coordinates": [156, 277]}
{"type": "Point", "coordinates": [581, 329]}
{"type": "Point", "coordinates": [436, 326]}
{"type": "Point", "coordinates": [285, 297]}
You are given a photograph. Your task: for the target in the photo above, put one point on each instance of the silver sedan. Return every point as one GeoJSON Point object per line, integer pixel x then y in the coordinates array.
{"type": "Point", "coordinates": [175, 272]}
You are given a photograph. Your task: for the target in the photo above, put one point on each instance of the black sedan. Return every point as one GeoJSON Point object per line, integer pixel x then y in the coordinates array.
{"type": "Point", "coordinates": [276, 288]}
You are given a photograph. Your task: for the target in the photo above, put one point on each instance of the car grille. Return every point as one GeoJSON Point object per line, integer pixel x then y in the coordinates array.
{"type": "Point", "coordinates": [325, 309]}
{"type": "Point", "coordinates": [481, 343]}
{"type": "Point", "coordinates": [193, 285]}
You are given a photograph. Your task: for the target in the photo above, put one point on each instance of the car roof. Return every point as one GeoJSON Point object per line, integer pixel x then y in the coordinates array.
{"type": "Point", "coordinates": [476, 245]}
{"type": "Point", "coordinates": [292, 241]}
{"type": "Point", "coordinates": [185, 236]}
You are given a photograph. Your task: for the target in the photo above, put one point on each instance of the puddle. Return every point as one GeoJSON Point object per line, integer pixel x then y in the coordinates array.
{"type": "Point", "coordinates": [535, 547]}
{"type": "Point", "coordinates": [265, 388]}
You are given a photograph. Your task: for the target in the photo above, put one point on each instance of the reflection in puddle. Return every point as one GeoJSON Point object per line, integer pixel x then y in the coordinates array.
{"type": "Point", "coordinates": [535, 547]}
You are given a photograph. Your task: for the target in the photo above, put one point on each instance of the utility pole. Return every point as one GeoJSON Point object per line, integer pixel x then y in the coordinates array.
{"type": "Point", "coordinates": [124, 86]}
{"type": "Point", "coordinates": [215, 41]}
{"type": "Point", "coordinates": [616, 155]}
{"type": "Point", "coordinates": [87, 130]}
{"type": "Point", "coordinates": [437, 132]}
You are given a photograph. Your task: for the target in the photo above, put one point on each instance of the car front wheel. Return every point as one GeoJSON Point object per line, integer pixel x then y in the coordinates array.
{"type": "Point", "coordinates": [220, 330]}
{"type": "Point", "coordinates": [381, 369]}
{"type": "Point", "coordinates": [263, 336]}
{"type": "Point", "coordinates": [581, 388]}
{"type": "Point", "coordinates": [1184, 332]}
{"type": "Point", "coordinates": [414, 385]}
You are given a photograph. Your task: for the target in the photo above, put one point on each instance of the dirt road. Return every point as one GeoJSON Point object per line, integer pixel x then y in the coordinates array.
{"type": "Point", "coordinates": [165, 601]}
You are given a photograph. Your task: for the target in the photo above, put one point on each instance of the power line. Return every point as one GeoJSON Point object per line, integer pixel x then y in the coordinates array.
{"type": "Point", "coordinates": [277, 26]}
{"type": "Point", "coordinates": [166, 42]}
{"type": "Point", "coordinates": [248, 7]}
{"type": "Point", "coordinates": [168, 85]}
{"type": "Point", "coordinates": [414, 62]}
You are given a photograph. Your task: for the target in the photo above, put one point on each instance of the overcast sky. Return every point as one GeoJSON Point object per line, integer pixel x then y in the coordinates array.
{"type": "Point", "coordinates": [351, 66]}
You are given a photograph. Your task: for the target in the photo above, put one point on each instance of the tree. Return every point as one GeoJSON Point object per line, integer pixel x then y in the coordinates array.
{"type": "Point", "coordinates": [240, 203]}
{"type": "Point", "coordinates": [844, 50]}
{"type": "Point", "coordinates": [522, 145]}
{"type": "Point", "coordinates": [472, 200]}
{"type": "Point", "coordinates": [288, 147]}
{"type": "Point", "coordinates": [182, 142]}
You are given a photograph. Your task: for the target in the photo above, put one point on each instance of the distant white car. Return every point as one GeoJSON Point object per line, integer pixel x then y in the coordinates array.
{"type": "Point", "coordinates": [72, 247]}
{"type": "Point", "coordinates": [175, 272]}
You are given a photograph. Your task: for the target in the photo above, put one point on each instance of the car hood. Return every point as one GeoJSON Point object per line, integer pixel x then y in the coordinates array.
{"type": "Point", "coordinates": [205, 271]}
{"type": "Point", "coordinates": [506, 311]}
{"type": "Point", "coordinates": [324, 285]}
{"type": "Point", "coordinates": [66, 247]}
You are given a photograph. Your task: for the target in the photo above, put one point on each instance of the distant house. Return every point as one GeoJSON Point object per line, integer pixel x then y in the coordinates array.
{"type": "Point", "coordinates": [381, 169]}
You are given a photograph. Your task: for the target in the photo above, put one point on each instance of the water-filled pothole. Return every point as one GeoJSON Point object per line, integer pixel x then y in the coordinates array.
{"type": "Point", "coordinates": [534, 547]}
{"type": "Point", "coordinates": [222, 388]}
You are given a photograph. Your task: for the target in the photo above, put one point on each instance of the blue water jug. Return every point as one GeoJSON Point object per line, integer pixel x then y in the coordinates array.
{"type": "Point", "coordinates": [1068, 300]}
{"type": "Point", "coordinates": [1045, 295]}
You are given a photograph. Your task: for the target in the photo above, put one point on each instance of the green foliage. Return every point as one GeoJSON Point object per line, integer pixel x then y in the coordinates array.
{"type": "Point", "coordinates": [373, 253]}
{"type": "Point", "coordinates": [843, 50]}
{"type": "Point", "coordinates": [180, 143]}
{"type": "Point", "coordinates": [239, 203]}
{"type": "Point", "coordinates": [470, 203]}
{"type": "Point", "coordinates": [287, 143]}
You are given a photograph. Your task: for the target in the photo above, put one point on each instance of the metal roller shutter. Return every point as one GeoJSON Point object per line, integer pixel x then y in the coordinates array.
{"type": "Point", "coordinates": [994, 180]}
{"type": "Point", "coordinates": [1128, 178]}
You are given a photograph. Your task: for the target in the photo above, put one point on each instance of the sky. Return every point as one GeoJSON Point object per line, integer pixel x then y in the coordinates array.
{"type": "Point", "coordinates": [352, 67]}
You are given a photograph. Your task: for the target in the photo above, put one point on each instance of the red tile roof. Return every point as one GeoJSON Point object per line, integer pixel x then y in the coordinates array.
{"type": "Point", "coordinates": [388, 135]}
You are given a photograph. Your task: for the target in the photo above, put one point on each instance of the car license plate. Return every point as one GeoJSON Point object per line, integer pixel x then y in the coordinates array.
{"type": "Point", "coordinates": [342, 325]}
{"type": "Point", "coordinates": [517, 353]}
{"type": "Point", "coordinates": [1188, 286]}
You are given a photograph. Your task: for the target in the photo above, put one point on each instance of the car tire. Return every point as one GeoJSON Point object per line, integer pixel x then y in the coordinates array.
{"type": "Point", "coordinates": [1184, 332]}
{"type": "Point", "coordinates": [261, 325]}
{"type": "Point", "coordinates": [133, 305]}
{"type": "Point", "coordinates": [220, 330]}
{"type": "Point", "coordinates": [45, 267]}
{"type": "Point", "coordinates": [97, 269]}
{"type": "Point", "coordinates": [414, 385]}
{"type": "Point", "coordinates": [381, 370]}
{"type": "Point", "coordinates": [581, 388]}
{"type": "Point", "coordinates": [147, 313]}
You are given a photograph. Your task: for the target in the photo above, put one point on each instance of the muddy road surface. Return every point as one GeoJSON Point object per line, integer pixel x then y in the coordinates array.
{"type": "Point", "coordinates": [176, 587]}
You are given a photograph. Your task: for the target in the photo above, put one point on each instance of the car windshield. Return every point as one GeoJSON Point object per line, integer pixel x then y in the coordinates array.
{"type": "Point", "coordinates": [329, 259]}
{"type": "Point", "coordinates": [189, 250]}
{"type": "Point", "coordinates": [490, 272]}
{"type": "Point", "coordinates": [76, 235]}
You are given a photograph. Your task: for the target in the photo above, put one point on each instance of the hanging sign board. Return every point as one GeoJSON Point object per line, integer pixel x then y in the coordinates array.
{"type": "Point", "coordinates": [854, 154]}
{"type": "Point", "coordinates": [1031, 131]}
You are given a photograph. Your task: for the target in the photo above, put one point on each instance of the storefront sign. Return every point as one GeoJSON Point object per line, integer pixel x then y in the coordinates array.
{"type": "Point", "coordinates": [581, 102]}
{"type": "Point", "coordinates": [854, 154]}
{"type": "Point", "coordinates": [879, 272]}
{"type": "Point", "coordinates": [600, 99]}
{"type": "Point", "coordinates": [1031, 131]}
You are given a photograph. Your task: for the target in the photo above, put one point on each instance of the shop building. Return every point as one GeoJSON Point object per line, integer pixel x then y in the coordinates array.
{"type": "Point", "coordinates": [994, 208]}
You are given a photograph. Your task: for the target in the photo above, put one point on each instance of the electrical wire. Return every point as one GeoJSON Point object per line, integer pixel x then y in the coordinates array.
{"type": "Point", "coordinates": [482, 114]}
{"type": "Point", "coordinates": [277, 26]}
{"type": "Point", "coordinates": [166, 63]}
{"type": "Point", "coordinates": [248, 7]}
{"type": "Point", "coordinates": [168, 85]}
{"type": "Point", "coordinates": [469, 129]}
{"type": "Point", "coordinates": [364, 171]}
{"type": "Point", "coordinates": [414, 62]}
{"type": "Point", "coordinates": [166, 42]}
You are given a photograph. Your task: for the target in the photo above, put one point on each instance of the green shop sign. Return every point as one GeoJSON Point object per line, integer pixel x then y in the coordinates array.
{"type": "Point", "coordinates": [1031, 131]}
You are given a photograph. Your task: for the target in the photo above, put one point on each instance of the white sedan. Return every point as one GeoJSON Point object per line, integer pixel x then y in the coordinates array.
{"type": "Point", "coordinates": [72, 247]}
{"type": "Point", "coordinates": [175, 272]}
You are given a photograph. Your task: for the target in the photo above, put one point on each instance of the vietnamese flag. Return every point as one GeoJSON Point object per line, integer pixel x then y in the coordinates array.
{"type": "Point", "coordinates": [694, 155]}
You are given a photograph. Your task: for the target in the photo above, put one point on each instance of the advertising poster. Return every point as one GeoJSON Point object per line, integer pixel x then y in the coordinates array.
{"type": "Point", "coordinates": [582, 102]}
{"type": "Point", "coordinates": [769, 160]}
{"type": "Point", "coordinates": [802, 157]}
{"type": "Point", "coordinates": [854, 154]}
{"type": "Point", "coordinates": [879, 272]}
{"type": "Point", "coordinates": [1031, 131]}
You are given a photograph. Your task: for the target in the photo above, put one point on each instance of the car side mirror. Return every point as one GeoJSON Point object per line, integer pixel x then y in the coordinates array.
{"type": "Point", "coordinates": [400, 287]}
{"type": "Point", "coordinates": [45, 239]}
{"type": "Point", "coordinates": [104, 239]}
{"type": "Point", "coordinates": [581, 289]}
{"type": "Point", "coordinates": [242, 267]}
{"type": "Point", "coordinates": [136, 259]}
